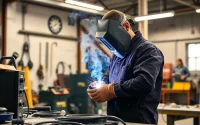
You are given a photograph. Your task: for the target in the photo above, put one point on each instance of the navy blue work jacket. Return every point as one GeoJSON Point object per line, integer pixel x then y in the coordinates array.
{"type": "Point", "coordinates": [138, 80]}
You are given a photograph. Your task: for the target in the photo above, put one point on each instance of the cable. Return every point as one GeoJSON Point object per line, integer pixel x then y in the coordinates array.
{"type": "Point", "coordinates": [18, 121]}
{"type": "Point", "coordinates": [60, 122]}
{"type": "Point", "coordinates": [162, 113]}
{"type": "Point", "coordinates": [27, 103]}
{"type": "Point", "coordinates": [40, 123]}
{"type": "Point", "coordinates": [114, 118]}
{"type": "Point", "coordinates": [69, 122]}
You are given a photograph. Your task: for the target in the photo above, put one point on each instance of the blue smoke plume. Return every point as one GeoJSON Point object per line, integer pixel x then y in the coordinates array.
{"type": "Point", "coordinates": [97, 62]}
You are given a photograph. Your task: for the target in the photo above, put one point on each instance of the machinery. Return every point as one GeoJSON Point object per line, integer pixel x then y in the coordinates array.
{"type": "Point", "coordinates": [76, 101]}
{"type": "Point", "coordinates": [12, 90]}
{"type": "Point", "coordinates": [55, 97]}
{"type": "Point", "coordinates": [79, 102]}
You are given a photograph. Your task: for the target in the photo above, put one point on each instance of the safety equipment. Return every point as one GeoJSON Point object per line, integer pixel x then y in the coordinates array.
{"type": "Point", "coordinates": [102, 94]}
{"type": "Point", "coordinates": [112, 34]}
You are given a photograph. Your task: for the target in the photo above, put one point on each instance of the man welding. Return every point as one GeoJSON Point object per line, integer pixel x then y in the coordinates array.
{"type": "Point", "coordinates": [134, 82]}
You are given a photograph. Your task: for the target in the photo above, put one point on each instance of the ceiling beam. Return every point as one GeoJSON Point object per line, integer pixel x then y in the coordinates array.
{"type": "Point", "coordinates": [104, 5]}
{"type": "Point", "coordinates": [186, 4]}
{"type": "Point", "coordinates": [128, 9]}
{"type": "Point", "coordinates": [92, 1]}
{"type": "Point", "coordinates": [123, 5]}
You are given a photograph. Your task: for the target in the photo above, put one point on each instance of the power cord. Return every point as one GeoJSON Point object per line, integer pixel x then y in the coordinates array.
{"type": "Point", "coordinates": [109, 117]}
{"type": "Point", "coordinates": [27, 103]}
{"type": "Point", "coordinates": [60, 123]}
{"type": "Point", "coordinates": [113, 118]}
{"type": "Point", "coordinates": [40, 123]}
{"type": "Point", "coordinates": [162, 113]}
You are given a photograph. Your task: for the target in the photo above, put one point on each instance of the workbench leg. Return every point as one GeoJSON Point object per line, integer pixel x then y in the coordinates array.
{"type": "Point", "coordinates": [163, 97]}
{"type": "Point", "coordinates": [196, 120]}
{"type": "Point", "coordinates": [188, 98]}
{"type": "Point", "coordinates": [170, 119]}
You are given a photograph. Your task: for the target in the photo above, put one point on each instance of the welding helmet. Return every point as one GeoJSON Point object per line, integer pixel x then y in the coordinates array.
{"type": "Point", "coordinates": [112, 34]}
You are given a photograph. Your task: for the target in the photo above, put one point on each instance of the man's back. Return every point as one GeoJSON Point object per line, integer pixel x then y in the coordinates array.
{"type": "Point", "coordinates": [138, 81]}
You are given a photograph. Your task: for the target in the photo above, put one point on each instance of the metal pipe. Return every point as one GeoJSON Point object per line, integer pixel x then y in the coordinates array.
{"type": "Point", "coordinates": [97, 44]}
{"type": "Point", "coordinates": [176, 40]}
{"type": "Point", "coordinates": [51, 61]}
{"type": "Point", "coordinates": [187, 4]}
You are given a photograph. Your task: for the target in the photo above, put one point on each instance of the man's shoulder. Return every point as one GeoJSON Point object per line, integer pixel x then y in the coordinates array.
{"type": "Point", "coordinates": [148, 46]}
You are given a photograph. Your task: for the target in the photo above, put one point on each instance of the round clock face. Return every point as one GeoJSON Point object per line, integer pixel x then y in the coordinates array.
{"type": "Point", "coordinates": [55, 24]}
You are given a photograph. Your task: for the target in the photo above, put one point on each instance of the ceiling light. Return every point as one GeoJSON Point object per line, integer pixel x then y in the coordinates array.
{"type": "Point", "coordinates": [84, 5]}
{"type": "Point", "coordinates": [198, 10]}
{"type": "Point", "coordinates": [154, 16]}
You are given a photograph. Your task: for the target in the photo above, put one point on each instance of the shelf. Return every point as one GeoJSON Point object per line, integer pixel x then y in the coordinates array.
{"type": "Point", "coordinates": [47, 35]}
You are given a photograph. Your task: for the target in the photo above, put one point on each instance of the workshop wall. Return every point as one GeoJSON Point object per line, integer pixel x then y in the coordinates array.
{"type": "Point", "coordinates": [36, 20]}
{"type": "Point", "coordinates": [172, 29]}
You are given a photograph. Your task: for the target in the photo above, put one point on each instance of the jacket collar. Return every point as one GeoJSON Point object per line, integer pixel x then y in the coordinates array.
{"type": "Point", "coordinates": [135, 42]}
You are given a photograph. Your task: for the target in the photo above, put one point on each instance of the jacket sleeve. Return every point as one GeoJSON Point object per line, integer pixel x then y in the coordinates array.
{"type": "Point", "coordinates": [106, 78]}
{"type": "Point", "coordinates": [187, 72]}
{"type": "Point", "coordinates": [173, 71]}
{"type": "Point", "coordinates": [145, 71]}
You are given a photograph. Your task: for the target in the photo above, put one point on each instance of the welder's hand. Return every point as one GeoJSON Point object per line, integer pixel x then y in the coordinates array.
{"type": "Point", "coordinates": [105, 93]}
{"type": "Point", "coordinates": [183, 77]}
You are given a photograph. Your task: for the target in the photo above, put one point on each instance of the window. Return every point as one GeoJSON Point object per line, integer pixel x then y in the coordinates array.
{"type": "Point", "coordinates": [193, 56]}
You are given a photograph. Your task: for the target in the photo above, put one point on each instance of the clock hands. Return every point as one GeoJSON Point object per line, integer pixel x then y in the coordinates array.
{"type": "Point", "coordinates": [55, 24]}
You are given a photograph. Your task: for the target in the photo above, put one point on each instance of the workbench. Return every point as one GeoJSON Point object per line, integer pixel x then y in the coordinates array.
{"type": "Point", "coordinates": [181, 112]}
{"type": "Point", "coordinates": [166, 91]}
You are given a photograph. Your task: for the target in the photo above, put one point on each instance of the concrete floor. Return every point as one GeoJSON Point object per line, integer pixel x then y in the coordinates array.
{"type": "Point", "coordinates": [188, 121]}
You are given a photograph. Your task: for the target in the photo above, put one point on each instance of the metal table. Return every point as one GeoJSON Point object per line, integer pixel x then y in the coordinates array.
{"type": "Point", "coordinates": [180, 112]}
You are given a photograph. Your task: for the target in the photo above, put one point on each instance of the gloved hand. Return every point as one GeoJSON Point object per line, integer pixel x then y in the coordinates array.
{"type": "Point", "coordinates": [105, 93]}
{"type": "Point", "coordinates": [183, 77]}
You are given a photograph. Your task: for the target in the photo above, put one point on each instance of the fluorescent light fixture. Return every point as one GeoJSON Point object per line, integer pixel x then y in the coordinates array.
{"type": "Point", "coordinates": [198, 10]}
{"type": "Point", "coordinates": [86, 5]}
{"type": "Point", "coordinates": [154, 16]}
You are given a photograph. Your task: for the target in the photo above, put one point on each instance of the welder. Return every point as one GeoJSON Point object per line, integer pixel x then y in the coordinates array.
{"type": "Point", "coordinates": [133, 85]}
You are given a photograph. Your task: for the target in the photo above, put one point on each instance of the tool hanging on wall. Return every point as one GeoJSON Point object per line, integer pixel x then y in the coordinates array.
{"type": "Point", "coordinates": [15, 55]}
{"type": "Point", "coordinates": [51, 61]}
{"type": "Point", "coordinates": [46, 65]}
{"type": "Point", "coordinates": [40, 73]}
{"type": "Point", "coordinates": [26, 50]}
{"type": "Point", "coordinates": [47, 57]}
{"type": "Point", "coordinates": [61, 63]}
{"type": "Point", "coordinates": [61, 74]}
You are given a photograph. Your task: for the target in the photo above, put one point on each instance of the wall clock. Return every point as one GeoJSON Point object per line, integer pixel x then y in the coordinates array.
{"type": "Point", "coordinates": [55, 24]}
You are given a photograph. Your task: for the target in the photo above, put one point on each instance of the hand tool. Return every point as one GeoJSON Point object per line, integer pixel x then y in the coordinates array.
{"type": "Point", "coordinates": [47, 57]}
{"type": "Point", "coordinates": [40, 73]}
{"type": "Point", "coordinates": [63, 67]}
{"type": "Point", "coordinates": [15, 55]}
{"type": "Point", "coordinates": [26, 50]}
{"type": "Point", "coordinates": [46, 64]}
{"type": "Point", "coordinates": [51, 61]}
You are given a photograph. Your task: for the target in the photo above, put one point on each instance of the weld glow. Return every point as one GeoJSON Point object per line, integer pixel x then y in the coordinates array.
{"type": "Point", "coordinates": [99, 84]}
{"type": "Point", "coordinates": [86, 5]}
{"type": "Point", "coordinates": [154, 16]}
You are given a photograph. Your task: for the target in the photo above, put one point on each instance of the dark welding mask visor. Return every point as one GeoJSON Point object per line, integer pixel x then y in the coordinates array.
{"type": "Point", "coordinates": [112, 34]}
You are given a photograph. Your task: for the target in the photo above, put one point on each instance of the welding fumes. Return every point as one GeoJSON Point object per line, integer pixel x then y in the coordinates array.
{"type": "Point", "coordinates": [96, 61]}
